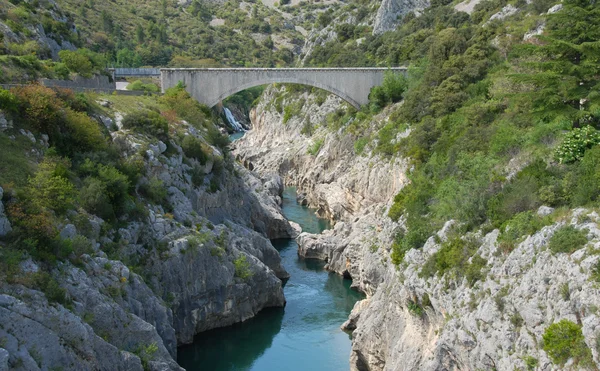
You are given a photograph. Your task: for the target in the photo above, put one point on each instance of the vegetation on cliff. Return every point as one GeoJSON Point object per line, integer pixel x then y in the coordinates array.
{"type": "Point", "coordinates": [81, 171]}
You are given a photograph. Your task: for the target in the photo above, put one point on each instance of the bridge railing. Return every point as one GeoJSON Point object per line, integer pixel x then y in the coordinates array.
{"type": "Point", "coordinates": [134, 72]}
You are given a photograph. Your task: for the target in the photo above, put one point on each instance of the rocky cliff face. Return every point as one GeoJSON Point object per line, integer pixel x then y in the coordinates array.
{"type": "Point", "coordinates": [391, 12]}
{"type": "Point", "coordinates": [152, 284]}
{"type": "Point", "coordinates": [409, 321]}
{"type": "Point", "coordinates": [496, 324]}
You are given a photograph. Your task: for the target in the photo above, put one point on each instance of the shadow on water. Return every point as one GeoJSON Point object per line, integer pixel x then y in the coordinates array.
{"type": "Point", "coordinates": [305, 335]}
{"type": "Point", "coordinates": [238, 346]}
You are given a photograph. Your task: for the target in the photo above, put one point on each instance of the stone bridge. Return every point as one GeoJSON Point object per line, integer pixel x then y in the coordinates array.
{"type": "Point", "coordinates": [211, 85]}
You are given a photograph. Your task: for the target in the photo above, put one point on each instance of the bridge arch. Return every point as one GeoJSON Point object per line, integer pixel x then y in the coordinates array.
{"type": "Point", "coordinates": [211, 85]}
{"type": "Point", "coordinates": [242, 87]}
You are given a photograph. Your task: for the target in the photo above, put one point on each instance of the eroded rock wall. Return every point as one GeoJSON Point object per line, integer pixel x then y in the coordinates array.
{"type": "Point", "coordinates": [410, 321]}
{"type": "Point", "coordinates": [206, 262]}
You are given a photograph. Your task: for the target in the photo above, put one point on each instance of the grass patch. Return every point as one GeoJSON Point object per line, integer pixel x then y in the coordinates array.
{"type": "Point", "coordinates": [242, 268]}
{"type": "Point", "coordinates": [315, 147]}
{"type": "Point", "coordinates": [15, 165]}
{"type": "Point", "coordinates": [453, 258]}
{"type": "Point", "coordinates": [567, 239]}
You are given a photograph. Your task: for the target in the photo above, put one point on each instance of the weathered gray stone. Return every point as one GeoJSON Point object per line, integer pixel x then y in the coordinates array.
{"type": "Point", "coordinates": [5, 124]}
{"type": "Point", "coordinates": [545, 210]}
{"type": "Point", "coordinates": [3, 359]}
{"type": "Point", "coordinates": [390, 13]}
{"type": "Point", "coordinates": [555, 8]}
{"type": "Point", "coordinates": [28, 134]}
{"type": "Point", "coordinates": [68, 232]}
{"type": "Point", "coordinates": [5, 227]}
{"type": "Point", "coordinates": [505, 12]}
{"type": "Point", "coordinates": [38, 335]}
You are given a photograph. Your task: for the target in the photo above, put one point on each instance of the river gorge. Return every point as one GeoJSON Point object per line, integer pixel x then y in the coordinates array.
{"type": "Point", "coordinates": [304, 335]}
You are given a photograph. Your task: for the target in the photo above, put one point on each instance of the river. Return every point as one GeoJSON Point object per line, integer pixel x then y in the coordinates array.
{"type": "Point", "coordinates": [305, 335]}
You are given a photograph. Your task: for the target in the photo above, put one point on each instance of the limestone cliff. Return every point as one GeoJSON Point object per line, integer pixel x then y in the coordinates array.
{"type": "Point", "coordinates": [201, 259]}
{"type": "Point", "coordinates": [390, 13]}
{"type": "Point", "coordinates": [411, 320]}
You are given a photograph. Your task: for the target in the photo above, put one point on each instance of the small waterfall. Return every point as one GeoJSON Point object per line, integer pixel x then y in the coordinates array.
{"type": "Point", "coordinates": [232, 121]}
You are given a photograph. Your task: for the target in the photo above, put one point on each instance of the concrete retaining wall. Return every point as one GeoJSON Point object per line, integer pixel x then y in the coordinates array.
{"type": "Point", "coordinates": [101, 83]}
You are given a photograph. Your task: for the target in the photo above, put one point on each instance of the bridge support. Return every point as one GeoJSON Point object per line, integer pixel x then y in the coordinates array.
{"type": "Point", "coordinates": [211, 85]}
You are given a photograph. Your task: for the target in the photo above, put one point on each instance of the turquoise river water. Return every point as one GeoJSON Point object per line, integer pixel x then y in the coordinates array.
{"type": "Point", "coordinates": [305, 335]}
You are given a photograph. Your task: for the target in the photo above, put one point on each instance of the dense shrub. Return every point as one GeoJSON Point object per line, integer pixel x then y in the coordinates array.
{"type": "Point", "coordinates": [586, 179]}
{"type": "Point", "coordinates": [567, 239]}
{"type": "Point", "coordinates": [147, 122]}
{"type": "Point", "coordinates": [242, 268]}
{"type": "Point", "coordinates": [50, 188]}
{"type": "Point", "coordinates": [522, 224]}
{"type": "Point", "coordinates": [40, 107]}
{"type": "Point", "coordinates": [575, 144]}
{"type": "Point", "coordinates": [563, 341]}
{"type": "Point", "coordinates": [390, 91]}
{"type": "Point", "coordinates": [187, 108]}
{"type": "Point", "coordinates": [76, 101]}
{"type": "Point", "coordinates": [155, 191]}
{"type": "Point", "coordinates": [195, 148]}
{"type": "Point", "coordinates": [8, 101]}
{"type": "Point", "coordinates": [76, 62]}
{"type": "Point", "coordinates": [138, 85]}
{"type": "Point", "coordinates": [94, 199]}
{"type": "Point", "coordinates": [453, 257]}
{"type": "Point", "coordinates": [82, 134]}
{"type": "Point", "coordinates": [116, 183]}
{"type": "Point", "coordinates": [217, 139]}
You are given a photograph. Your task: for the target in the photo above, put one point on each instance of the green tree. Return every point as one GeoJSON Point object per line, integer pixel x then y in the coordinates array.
{"type": "Point", "coordinates": [76, 62]}
{"type": "Point", "coordinates": [564, 340]}
{"type": "Point", "coordinates": [140, 34]}
{"type": "Point", "coordinates": [565, 69]}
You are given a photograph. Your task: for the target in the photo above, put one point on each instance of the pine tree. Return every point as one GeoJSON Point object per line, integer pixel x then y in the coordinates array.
{"type": "Point", "coordinates": [139, 34]}
{"type": "Point", "coordinates": [565, 68]}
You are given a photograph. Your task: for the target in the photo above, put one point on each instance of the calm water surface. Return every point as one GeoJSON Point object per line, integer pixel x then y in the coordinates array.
{"type": "Point", "coordinates": [305, 335]}
{"type": "Point", "coordinates": [235, 136]}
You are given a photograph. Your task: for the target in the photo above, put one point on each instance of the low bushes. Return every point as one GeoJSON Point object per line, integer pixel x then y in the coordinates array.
{"type": "Point", "coordinates": [147, 122]}
{"type": "Point", "coordinates": [242, 268]}
{"type": "Point", "coordinates": [390, 91]}
{"type": "Point", "coordinates": [564, 340]}
{"type": "Point", "coordinates": [138, 85]}
{"type": "Point", "coordinates": [576, 142]}
{"type": "Point", "coordinates": [567, 239]}
{"type": "Point", "coordinates": [453, 257]}
{"type": "Point", "coordinates": [194, 148]}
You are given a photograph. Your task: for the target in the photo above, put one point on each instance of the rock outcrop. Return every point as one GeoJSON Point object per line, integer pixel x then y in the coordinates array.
{"type": "Point", "coordinates": [38, 335]}
{"type": "Point", "coordinates": [5, 227]}
{"type": "Point", "coordinates": [390, 13]}
{"type": "Point", "coordinates": [497, 323]}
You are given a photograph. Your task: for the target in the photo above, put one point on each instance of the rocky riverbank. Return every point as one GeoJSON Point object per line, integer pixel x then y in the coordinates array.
{"type": "Point", "coordinates": [411, 319]}
{"type": "Point", "coordinates": [202, 259]}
